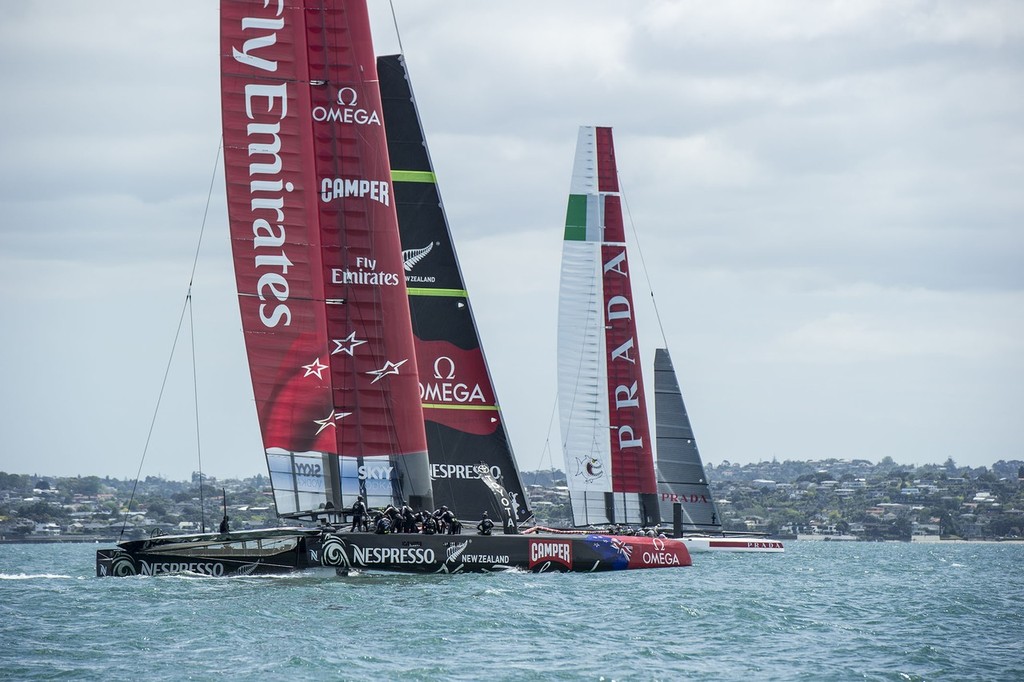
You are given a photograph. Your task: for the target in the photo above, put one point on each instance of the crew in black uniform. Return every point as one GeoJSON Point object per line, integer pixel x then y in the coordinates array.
{"type": "Point", "coordinates": [358, 513]}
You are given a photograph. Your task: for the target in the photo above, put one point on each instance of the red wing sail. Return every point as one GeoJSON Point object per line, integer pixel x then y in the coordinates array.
{"type": "Point", "coordinates": [317, 255]}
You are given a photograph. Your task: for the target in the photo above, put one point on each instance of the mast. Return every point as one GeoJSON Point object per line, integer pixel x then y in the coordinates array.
{"type": "Point", "coordinates": [317, 257]}
{"type": "Point", "coordinates": [464, 422]}
{"type": "Point", "coordinates": [602, 407]}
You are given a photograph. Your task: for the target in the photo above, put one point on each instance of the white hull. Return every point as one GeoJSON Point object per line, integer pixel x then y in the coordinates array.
{"type": "Point", "coordinates": [704, 543]}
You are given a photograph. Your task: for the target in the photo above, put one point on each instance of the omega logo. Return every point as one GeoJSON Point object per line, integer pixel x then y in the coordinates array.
{"type": "Point", "coordinates": [352, 94]}
{"type": "Point", "coordinates": [439, 365]}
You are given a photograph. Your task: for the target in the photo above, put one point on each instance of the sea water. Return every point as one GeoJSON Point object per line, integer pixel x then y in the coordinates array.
{"type": "Point", "coordinates": [821, 611]}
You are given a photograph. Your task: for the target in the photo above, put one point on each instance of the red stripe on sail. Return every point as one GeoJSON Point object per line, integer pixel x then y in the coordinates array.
{"type": "Point", "coordinates": [632, 461]}
{"type": "Point", "coordinates": [631, 454]}
{"type": "Point", "coordinates": [607, 175]}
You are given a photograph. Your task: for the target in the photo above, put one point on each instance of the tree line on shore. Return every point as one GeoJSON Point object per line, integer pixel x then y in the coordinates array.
{"type": "Point", "coordinates": [879, 501]}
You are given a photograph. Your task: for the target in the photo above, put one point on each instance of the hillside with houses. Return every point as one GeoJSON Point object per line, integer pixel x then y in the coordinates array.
{"type": "Point", "coordinates": [832, 498]}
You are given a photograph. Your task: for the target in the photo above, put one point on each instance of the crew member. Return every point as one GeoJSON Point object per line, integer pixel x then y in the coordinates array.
{"type": "Point", "coordinates": [358, 512]}
{"type": "Point", "coordinates": [485, 525]}
{"type": "Point", "coordinates": [448, 521]}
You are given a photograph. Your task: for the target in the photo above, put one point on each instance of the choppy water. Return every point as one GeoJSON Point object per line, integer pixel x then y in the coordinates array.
{"type": "Point", "coordinates": [822, 611]}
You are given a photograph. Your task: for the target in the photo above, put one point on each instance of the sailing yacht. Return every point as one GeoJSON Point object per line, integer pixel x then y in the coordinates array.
{"type": "Point", "coordinates": [340, 329]}
{"type": "Point", "coordinates": [614, 475]}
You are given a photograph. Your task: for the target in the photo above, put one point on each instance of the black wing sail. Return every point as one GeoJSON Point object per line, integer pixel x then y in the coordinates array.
{"type": "Point", "coordinates": [681, 476]}
{"type": "Point", "coordinates": [463, 421]}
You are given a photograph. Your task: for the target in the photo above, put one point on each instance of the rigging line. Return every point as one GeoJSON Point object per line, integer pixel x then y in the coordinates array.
{"type": "Point", "coordinates": [547, 441]}
{"type": "Point", "coordinates": [206, 214]}
{"type": "Point", "coordinates": [195, 401]}
{"type": "Point", "coordinates": [643, 263]}
{"type": "Point", "coordinates": [398, 34]}
{"type": "Point", "coordinates": [152, 423]}
{"type": "Point", "coordinates": [177, 334]}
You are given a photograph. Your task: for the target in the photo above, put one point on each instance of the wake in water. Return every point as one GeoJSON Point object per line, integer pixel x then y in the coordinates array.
{"type": "Point", "coordinates": [33, 576]}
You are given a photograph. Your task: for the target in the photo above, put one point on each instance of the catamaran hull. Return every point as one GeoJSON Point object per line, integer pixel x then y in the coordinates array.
{"type": "Point", "coordinates": [406, 553]}
{"type": "Point", "coordinates": [700, 544]}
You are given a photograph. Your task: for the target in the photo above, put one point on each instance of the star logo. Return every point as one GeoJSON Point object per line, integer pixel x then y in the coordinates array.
{"type": "Point", "coordinates": [347, 344]}
{"type": "Point", "coordinates": [314, 367]}
{"type": "Point", "coordinates": [388, 368]}
{"type": "Point", "coordinates": [330, 420]}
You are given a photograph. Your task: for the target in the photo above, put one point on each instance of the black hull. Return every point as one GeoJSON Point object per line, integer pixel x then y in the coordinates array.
{"type": "Point", "coordinates": [288, 550]}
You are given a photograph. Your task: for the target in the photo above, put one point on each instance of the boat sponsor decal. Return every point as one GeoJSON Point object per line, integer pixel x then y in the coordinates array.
{"type": "Point", "coordinates": [345, 109]}
{"type": "Point", "coordinates": [509, 501]}
{"type": "Point", "coordinates": [366, 556]}
{"type": "Point", "coordinates": [211, 568]}
{"type": "Point", "coordinates": [632, 463]}
{"type": "Point", "coordinates": [657, 552]}
{"type": "Point", "coordinates": [379, 472]}
{"type": "Point", "coordinates": [410, 257]}
{"type": "Point", "coordinates": [343, 188]}
{"type": "Point", "coordinates": [347, 345]}
{"type": "Point", "coordinates": [485, 559]}
{"type": "Point", "coordinates": [447, 389]}
{"type": "Point", "coordinates": [333, 552]}
{"type": "Point", "coordinates": [746, 544]}
{"type": "Point", "coordinates": [455, 388]}
{"type": "Point", "coordinates": [589, 468]}
{"type": "Point", "coordinates": [692, 498]}
{"type": "Point", "coordinates": [365, 273]}
{"type": "Point", "coordinates": [121, 564]}
{"type": "Point", "coordinates": [313, 468]}
{"type": "Point", "coordinates": [555, 551]}
{"type": "Point", "coordinates": [266, 106]}
{"type": "Point", "coordinates": [316, 367]}
{"type": "Point", "coordinates": [388, 368]}
{"type": "Point", "coordinates": [623, 552]}
{"type": "Point", "coordinates": [461, 471]}
{"type": "Point", "coordinates": [330, 420]}
{"type": "Point", "coordinates": [455, 550]}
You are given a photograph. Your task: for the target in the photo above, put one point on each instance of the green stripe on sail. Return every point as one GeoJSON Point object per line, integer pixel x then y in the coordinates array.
{"type": "Point", "coordinates": [576, 218]}
{"type": "Point", "coordinates": [419, 291]}
{"type": "Point", "coordinates": [443, 406]}
{"type": "Point", "coordinates": [413, 176]}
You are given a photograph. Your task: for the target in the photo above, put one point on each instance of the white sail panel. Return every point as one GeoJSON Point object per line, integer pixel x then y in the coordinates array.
{"type": "Point", "coordinates": [582, 399]}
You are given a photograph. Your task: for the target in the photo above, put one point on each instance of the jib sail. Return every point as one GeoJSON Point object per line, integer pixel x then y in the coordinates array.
{"type": "Point", "coordinates": [681, 477]}
{"type": "Point", "coordinates": [463, 420]}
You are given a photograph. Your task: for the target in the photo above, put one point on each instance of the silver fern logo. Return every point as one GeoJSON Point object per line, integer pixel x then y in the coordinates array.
{"type": "Point", "coordinates": [456, 550]}
{"type": "Point", "coordinates": [410, 257]}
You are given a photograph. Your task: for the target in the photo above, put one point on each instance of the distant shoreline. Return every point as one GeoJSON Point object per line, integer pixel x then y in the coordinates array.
{"type": "Point", "coordinates": [84, 539]}
{"type": "Point", "coordinates": [57, 539]}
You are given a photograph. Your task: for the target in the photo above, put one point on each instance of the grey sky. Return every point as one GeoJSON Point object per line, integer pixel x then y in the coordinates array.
{"type": "Point", "coordinates": [829, 198]}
